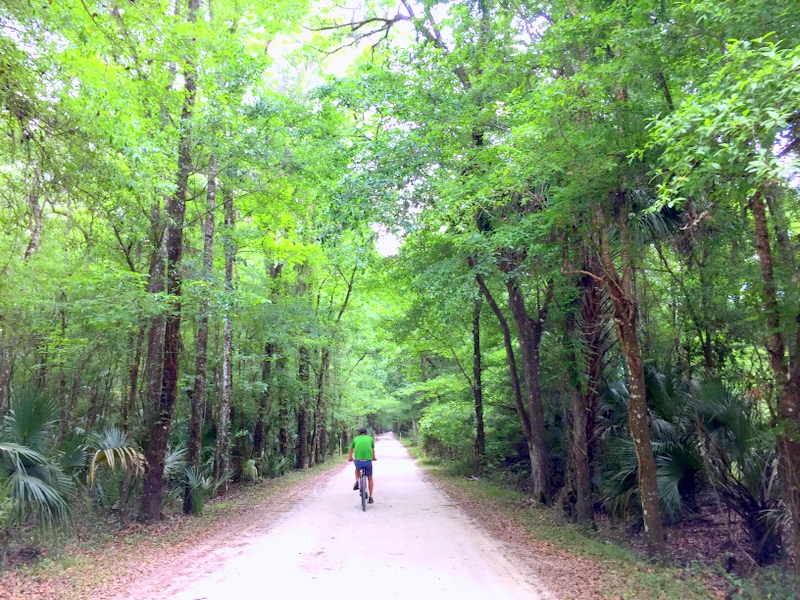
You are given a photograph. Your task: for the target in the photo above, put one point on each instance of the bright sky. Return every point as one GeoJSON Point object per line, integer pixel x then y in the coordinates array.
{"type": "Point", "coordinates": [387, 243]}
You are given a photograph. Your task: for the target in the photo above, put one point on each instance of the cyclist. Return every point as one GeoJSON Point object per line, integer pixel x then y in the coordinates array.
{"type": "Point", "coordinates": [362, 450]}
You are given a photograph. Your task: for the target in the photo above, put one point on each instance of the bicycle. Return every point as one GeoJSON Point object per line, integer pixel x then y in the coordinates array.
{"type": "Point", "coordinates": [362, 488]}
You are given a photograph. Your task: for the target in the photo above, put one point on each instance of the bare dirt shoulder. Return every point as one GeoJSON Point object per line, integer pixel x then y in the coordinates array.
{"type": "Point", "coordinates": [570, 575]}
{"type": "Point", "coordinates": [141, 557]}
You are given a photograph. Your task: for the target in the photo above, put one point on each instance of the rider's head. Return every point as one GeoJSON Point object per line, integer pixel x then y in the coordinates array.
{"type": "Point", "coordinates": [363, 431]}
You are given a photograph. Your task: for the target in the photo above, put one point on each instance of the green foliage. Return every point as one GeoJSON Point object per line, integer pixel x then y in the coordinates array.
{"type": "Point", "coordinates": [446, 431]}
{"type": "Point", "coordinates": [111, 449]}
{"type": "Point", "coordinates": [198, 486]}
{"type": "Point", "coordinates": [679, 465]}
{"type": "Point", "coordinates": [250, 471]}
{"type": "Point", "coordinates": [741, 460]}
{"type": "Point", "coordinates": [29, 467]}
{"type": "Point", "coordinates": [727, 132]}
{"type": "Point", "coordinates": [771, 582]}
{"type": "Point", "coordinates": [275, 465]}
{"type": "Point", "coordinates": [493, 132]}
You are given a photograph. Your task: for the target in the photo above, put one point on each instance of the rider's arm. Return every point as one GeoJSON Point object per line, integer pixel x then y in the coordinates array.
{"type": "Point", "coordinates": [350, 456]}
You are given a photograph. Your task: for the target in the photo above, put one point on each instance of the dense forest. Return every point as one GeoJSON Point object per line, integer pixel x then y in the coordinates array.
{"type": "Point", "coordinates": [595, 296]}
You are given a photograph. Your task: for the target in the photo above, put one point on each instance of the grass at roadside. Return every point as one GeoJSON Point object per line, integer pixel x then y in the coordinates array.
{"type": "Point", "coordinates": [91, 565]}
{"type": "Point", "coordinates": [575, 562]}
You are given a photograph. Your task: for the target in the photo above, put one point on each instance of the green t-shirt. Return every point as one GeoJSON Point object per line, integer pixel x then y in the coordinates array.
{"type": "Point", "coordinates": [362, 447]}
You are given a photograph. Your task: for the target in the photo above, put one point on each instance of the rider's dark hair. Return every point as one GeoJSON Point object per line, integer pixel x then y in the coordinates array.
{"type": "Point", "coordinates": [362, 431]}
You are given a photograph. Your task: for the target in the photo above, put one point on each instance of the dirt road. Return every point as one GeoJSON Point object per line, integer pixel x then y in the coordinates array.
{"type": "Point", "coordinates": [412, 543]}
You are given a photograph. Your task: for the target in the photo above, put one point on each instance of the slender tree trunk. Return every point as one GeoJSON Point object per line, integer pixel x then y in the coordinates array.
{"type": "Point", "coordinates": [223, 423]}
{"type": "Point", "coordinates": [267, 395]}
{"type": "Point", "coordinates": [319, 409]}
{"type": "Point", "coordinates": [580, 444]}
{"type": "Point", "coordinates": [264, 404]}
{"type": "Point", "coordinates": [626, 318]}
{"type": "Point", "coordinates": [6, 362]}
{"type": "Point", "coordinates": [304, 361]}
{"type": "Point", "coordinates": [150, 509]}
{"type": "Point", "coordinates": [41, 366]}
{"type": "Point", "coordinates": [319, 440]}
{"type": "Point", "coordinates": [198, 393]}
{"type": "Point", "coordinates": [284, 445]}
{"type": "Point", "coordinates": [787, 382]}
{"type": "Point", "coordinates": [68, 409]}
{"type": "Point", "coordinates": [516, 387]}
{"type": "Point", "coordinates": [36, 210]}
{"type": "Point", "coordinates": [477, 385]}
{"type": "Point", "coordinates": [530, 336]}
{"type": "Point", "coordinates": [63, 397]}
{"type": "Point", "coordinates": [94, 408]}
{"type": "Point", "coordinates": [154, 362]}
{"type": "Point", "coordinates": [129, 407]}
{"type": "Point", "coordinates": [303, 374]}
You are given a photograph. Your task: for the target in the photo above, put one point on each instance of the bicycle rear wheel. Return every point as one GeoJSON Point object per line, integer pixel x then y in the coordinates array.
{"type": "Point", "coordinates": [364, 493]}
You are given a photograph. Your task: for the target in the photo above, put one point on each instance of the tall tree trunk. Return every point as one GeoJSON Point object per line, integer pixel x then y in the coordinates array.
{"type": "Point", "coordinates": [64, 420]}
{"type": "Point", "coordinates": [36, 210]}
{"type": "Point", "coordinates": [626, 309]}
{"type": "Point", "coordinates": [6, 369]}
{"type": "Point", "coordinates": [267, 395]}
{"type": "Point", "coordinates": [41, 366]}
{"type": "Point", "coordinates": [589, 330]}
{"type": "Point", "coordinates": [477, 385]}
{"type": "Point", "coordinates": [319, 410]}
{"type": "Point", "coordinates": [129, 407]}
{"type": "Point", "coordinates": [75, 387]}
{"type": "Point", "coordinates": [264, 404]}
{"type": "Point", "coordinates": [223, 419]}
{"type": "Point", "coordinates": [154, 362]}
{"type": "Point", "coordinates": [530, 336]}
{"type": "Point", "coordinates": [787, 382]}
{"type": "Point", "coordinates": [597, 334]}
{"type": "Point", "coordinates": [304, 362]}
{"type": "Point", "coordinates": [319, 439]}
{"type": "Point", "coordinates": [579, 440]}
{"type": "Point", "coordinates": [284, 445]}
{"type": "Point", "coordinates": [150, 509]}
{"type": "Point", "coordinates": [198, 393]}
{"type": "Point", "coordinates": [516, 387]}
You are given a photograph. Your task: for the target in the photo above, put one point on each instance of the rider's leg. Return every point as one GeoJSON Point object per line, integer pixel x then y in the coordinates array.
{"type": "Point", "coordinates": [355, 487]}
{"type": "Point", "coordinates": [369, 480]}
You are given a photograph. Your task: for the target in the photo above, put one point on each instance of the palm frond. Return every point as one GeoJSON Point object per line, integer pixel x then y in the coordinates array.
{"type": "Point", "coordinates": [113, 449]}
{"type": "Point", "coordinates": [174, 462]}
{"type": "Point", "coordinates": [35, 496]}
{"type": "Point", "coordinates": [17, 454]}
{"type": "Point", "coordinates": [73, 452]}
{"type": "Point", "coordinates": [663, 430]}
{"type": "Point", "coordinates": [31, 421]}
{"type": "Point", "coordinates": [672, 473]}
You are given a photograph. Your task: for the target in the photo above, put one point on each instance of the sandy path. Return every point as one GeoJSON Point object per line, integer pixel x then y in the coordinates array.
{"type": "Point", "coordinates": [412, 543]}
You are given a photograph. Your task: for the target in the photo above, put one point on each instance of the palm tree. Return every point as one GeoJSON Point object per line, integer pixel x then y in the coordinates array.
{"type": "Point", "coordinates": [741, 462]}
{"type": "Point", "coordinates": [111, 448]}
{"type": "Point", "coordinates": [679, 465]}
{"type": "Point", "coordinates": [38, 486]}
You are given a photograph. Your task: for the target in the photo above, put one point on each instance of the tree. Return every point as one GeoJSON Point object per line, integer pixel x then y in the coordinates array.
{"type": "Point", "coordinates": [744, 130]}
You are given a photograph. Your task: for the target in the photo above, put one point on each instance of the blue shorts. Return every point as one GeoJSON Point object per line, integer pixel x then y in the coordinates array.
{"type": "Point", "coordinates": [364, 464]}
